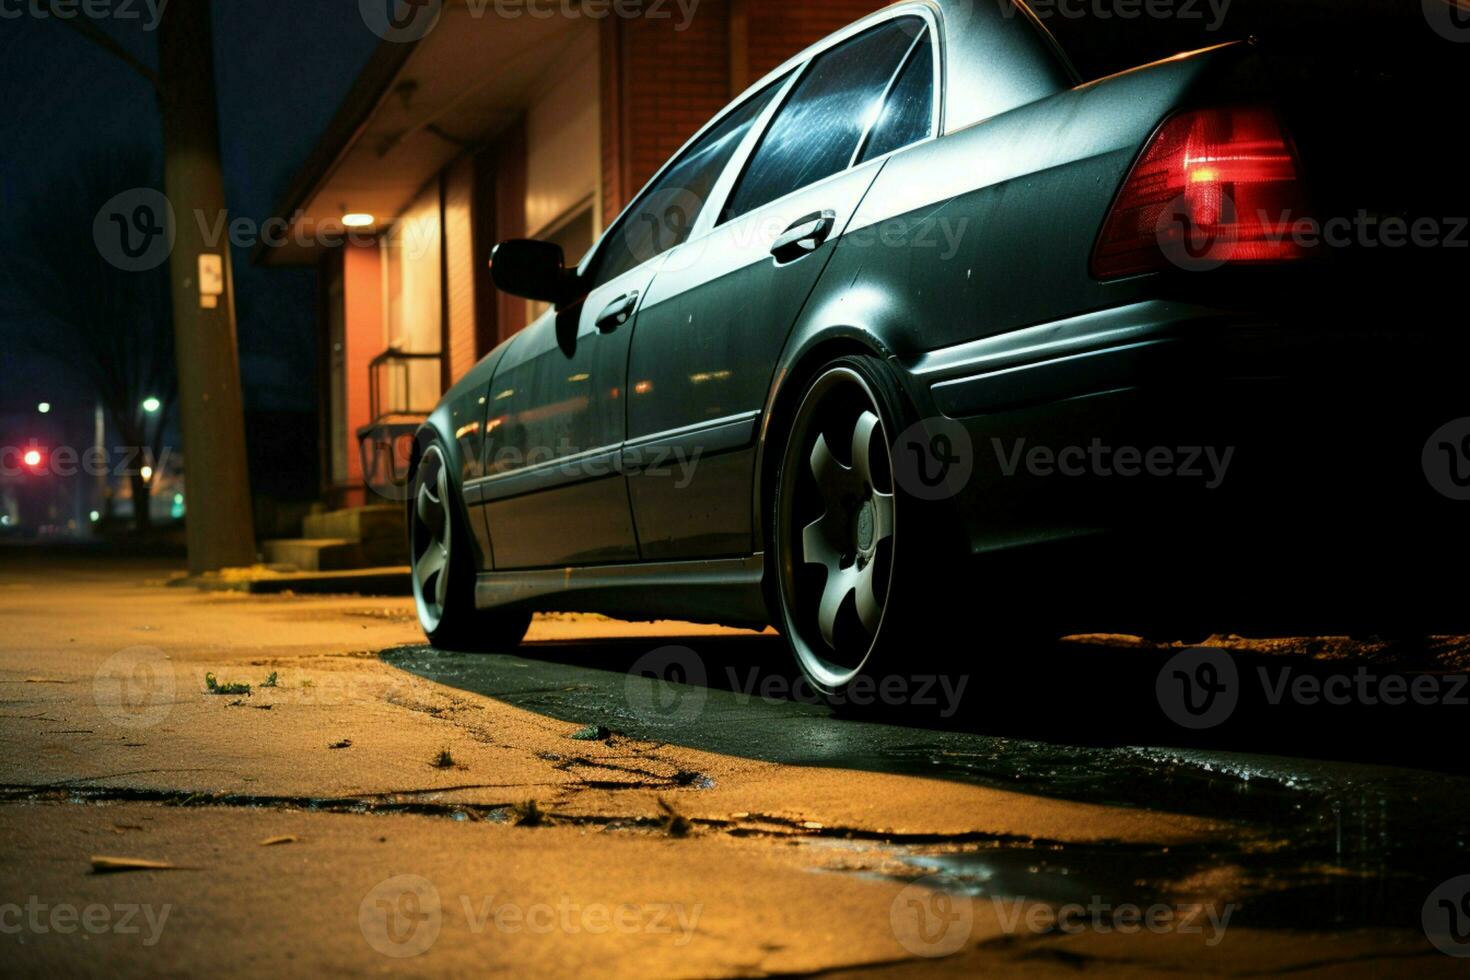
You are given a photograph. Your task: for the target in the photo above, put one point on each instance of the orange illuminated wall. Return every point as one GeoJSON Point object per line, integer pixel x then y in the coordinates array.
{"type": "Point", "coordinates": [362, 297]}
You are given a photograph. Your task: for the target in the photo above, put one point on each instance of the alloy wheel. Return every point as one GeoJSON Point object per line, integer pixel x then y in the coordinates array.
{"type": "Point", "coordinates": [837, 528]}
{"type": "Point", "coordinates": [431, 538]}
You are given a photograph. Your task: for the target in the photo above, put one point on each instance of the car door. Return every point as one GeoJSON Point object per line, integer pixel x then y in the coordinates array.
{"type": "Point", "coordinates": [714, 323]}
{"type": "Point", "coordinates": [555, 493]}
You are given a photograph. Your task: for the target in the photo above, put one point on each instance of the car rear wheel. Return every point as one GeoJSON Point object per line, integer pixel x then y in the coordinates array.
{"type": "Point", "coordinates": [838, 521]}
{"type": "Point", "coordinates": [444, 568]}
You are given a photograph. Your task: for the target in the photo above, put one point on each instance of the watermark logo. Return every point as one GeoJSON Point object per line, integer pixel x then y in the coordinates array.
{"type": "Point", "coordinates": [401, 916]}
{"type": "Point", "coordinates": [1208, 464]}
{"type": "Point", "coordinates": [1446, 459]}
{"type": "Point", "coordinates": [68, 461]}
{"type": "Point", "coordinates": [1197, 245]}
{"type": "Point", "coordinates": [135, 230]}
{"type": "Point", "coordinates": [928, 921]}
{"type": "Point", "coordinates": [943, 235]}
{"type": "Point", "coordinates": [667, 686]}
{"type": "Point", "coordinates": [134, 688]}
{"type": "Point", "coordinates": [401, 21]}
{"type": "Point", "coordinates": [661, 223]}
{"type": "Point", "coordinates": [571, 918]}
{"type": "Point", "coordinates": [933, 459]}
{"type": "Point", "coordinates": [932, 692]}
{"type": "Point", "coordinates": [1450, 19]}
{"type": "Point", "coordinates": [40, 918]}
{"type": "Point", "coordinates": [1199, 688]}
{"type": "Point", "coordinates": [1103, 917]}
{"type": "Point", "coordinates": [1213, 12]}
{"type": "Point", "coordinates": [125, 10]}
{"type": "Point", "coordinates": [406, 21]}
{"type": "Point", "coordinates": [1201, 230]}
{"type": "Point", "coordinates": [1446, 917]}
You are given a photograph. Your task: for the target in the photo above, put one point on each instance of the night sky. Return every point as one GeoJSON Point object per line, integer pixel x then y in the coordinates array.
{"type": "Point", "coordinates": [281, 70]}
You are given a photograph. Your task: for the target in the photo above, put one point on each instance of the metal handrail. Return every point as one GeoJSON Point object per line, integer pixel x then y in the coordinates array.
{"type": "Point", "coordinates": [375, 387]}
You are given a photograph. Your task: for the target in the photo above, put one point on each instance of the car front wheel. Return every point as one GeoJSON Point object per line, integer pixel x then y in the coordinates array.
{"type": "Point", "coordinates": [444, 568]}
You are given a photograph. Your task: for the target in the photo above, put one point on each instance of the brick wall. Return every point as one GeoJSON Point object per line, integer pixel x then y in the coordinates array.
{"type": "Point", "coordinates": [660, 83]}
{"type": "Point", "coordinates": [663, 84]}
{"type": "Point", "coordinates": [777, 30]}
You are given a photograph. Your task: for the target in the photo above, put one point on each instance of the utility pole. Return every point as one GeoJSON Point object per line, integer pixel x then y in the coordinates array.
{"type": "Point", "coordinates": [220, 525]}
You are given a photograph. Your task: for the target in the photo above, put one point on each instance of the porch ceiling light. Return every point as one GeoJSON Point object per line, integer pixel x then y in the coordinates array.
{"type": "Point", "coordinates": [357, 219]}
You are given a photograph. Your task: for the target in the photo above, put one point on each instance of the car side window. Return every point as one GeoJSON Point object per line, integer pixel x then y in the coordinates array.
{"type": "Point", "coordinates": [664, 214]}
{"type": "Point", "coordinates": [908, 113]}
{"type": "Point", "coordinates": [817, 131]}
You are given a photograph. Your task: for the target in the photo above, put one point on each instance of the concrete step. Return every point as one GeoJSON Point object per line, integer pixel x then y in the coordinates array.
{"type": "Point", "coordinates": [359, 581]}
{"type": "Point", "coordinates": [377, 522]}
{"type": "Point", "coordinates": [315, 554]}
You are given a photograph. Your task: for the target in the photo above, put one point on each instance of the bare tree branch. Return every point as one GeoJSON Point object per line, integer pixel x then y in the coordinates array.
{"type": "Point", "coordinates": [111, 327]}
{"type": "Point", "coordinates": [98, 36]}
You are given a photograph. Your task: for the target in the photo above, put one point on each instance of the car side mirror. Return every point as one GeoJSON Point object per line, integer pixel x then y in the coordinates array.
{"type": "Point", "coordinates": [533, 269]}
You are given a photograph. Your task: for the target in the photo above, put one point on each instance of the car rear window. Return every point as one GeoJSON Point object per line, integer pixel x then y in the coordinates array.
{"type": "Point", "coordinates": [817, 131]}
{"type": "Point", "coordinates": [908, 112]}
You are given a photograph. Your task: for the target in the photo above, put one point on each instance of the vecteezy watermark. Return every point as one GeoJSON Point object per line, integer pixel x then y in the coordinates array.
{"type": "Point", "coordinates": [1365, 229]}
{"type": "Point", "coordinates": [667, 686]}
{"type": "Point", "coordinates": [137, 229]}
{"type": "Point", "coordinates": [1205, 244]}
{"type": "Point", "coordinates": [938, 691]}
{"type": "Point", "coordinates": [1450, 19]}
{"type": "Point", "coordinates": [566, 917]}
{"type": "Point", "coordinates": [134, 688]}
{"type": "Point", "coordinates": [1446, 459]}
{"type": "Point", "coordinates": [403, 916]}
{"type": "Point", "coordinates": [1201, 687]}
{"type": "Point", "coordinates": [406, 21]}
{"type": "Point", "coordinates": [929, 921]}
{"type": "Point", "coordinates": [66, 461]}
{"type": "Point", "coordinates": [941, 234]}
{"type": "Point", "coordinates": [1213, 12]}
{"type": "Point", "coordinates": [670, 686]}
{"type": "Point", "coordinates": [35, 917]}
{"type": "Point", "coordinates": [1198, 688]}
{"type": "Point", "coordinates": [1102, 917]}
{"type": "Point", "coordinates": [385, 452]}
{"type": "Point", "coordinates": [1206, 463]}
{"type": "Point", "coordinates": [1446, 916]}
{"type": "Point", "coordinates": [150, 12]}
{"type": "Point", "coordinates": [662, 225]}
{"type": "Point", "coordinates": [933, 459]}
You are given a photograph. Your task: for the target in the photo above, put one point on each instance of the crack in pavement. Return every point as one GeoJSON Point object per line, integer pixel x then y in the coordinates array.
{"type": "Point", "coordinates": [745, 825]}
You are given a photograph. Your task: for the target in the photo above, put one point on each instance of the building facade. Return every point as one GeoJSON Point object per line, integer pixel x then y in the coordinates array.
{"type": "Point", "coordinates": [503, 121]}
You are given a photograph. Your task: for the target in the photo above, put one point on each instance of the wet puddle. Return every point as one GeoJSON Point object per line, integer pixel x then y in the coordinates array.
{"type": "Point", "coordinates": [1321, 844]}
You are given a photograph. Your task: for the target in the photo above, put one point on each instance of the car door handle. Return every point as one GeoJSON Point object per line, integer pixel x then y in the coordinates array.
{"type": "Point", "coordinates": [616, 313]}
{"type": "Point", "coordinates": [803, 236]}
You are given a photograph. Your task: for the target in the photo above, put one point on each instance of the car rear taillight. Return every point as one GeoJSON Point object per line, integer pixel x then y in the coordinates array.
{"type": "Point", "coordinates": [1213, 186]}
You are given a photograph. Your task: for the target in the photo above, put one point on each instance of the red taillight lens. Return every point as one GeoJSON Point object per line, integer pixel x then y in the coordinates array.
{"type": "Point", "coordinates": [1213, 186]}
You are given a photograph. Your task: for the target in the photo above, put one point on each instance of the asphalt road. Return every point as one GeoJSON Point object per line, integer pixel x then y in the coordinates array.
{"type": "Point", "coordinates": [668, 800]}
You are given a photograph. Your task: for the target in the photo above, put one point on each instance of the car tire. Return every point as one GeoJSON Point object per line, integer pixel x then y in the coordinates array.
{"type": "Point", "coordinates": [443, 567]}
{"type": "Point", "coordinates": [848, 588]}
